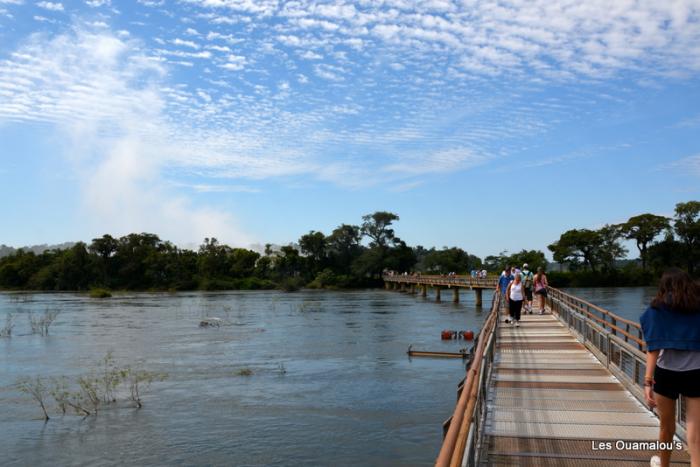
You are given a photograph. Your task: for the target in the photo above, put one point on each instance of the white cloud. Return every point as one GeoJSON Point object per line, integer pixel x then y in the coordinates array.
{"type": "Point", "coordinates": [50, 6]}
{"type": "Point", "coordinates": [234, 63]}
{"type": "Point", "coordinates": [181, 42]}
{"type": "Point", "coordinates": [104, 97]}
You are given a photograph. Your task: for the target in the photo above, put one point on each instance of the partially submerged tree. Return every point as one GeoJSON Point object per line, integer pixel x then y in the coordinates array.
{"type": "Point", "coordinates": [6, 330]}
{"type": "Point", "coordinates": [40, 324]}
{"type": "Point", "coordinates": [92, 391]}
{"type": "Point", "coordinates": [38, 390]}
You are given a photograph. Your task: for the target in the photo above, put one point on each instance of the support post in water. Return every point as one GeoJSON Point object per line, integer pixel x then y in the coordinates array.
{"type": "Point", "coordinates": [455, 295]}
{"type": "Point", "coordinates": [478, 296]}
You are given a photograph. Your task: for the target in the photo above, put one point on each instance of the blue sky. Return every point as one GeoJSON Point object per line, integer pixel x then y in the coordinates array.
{"type": "Point", "coordinates": [489, 125]}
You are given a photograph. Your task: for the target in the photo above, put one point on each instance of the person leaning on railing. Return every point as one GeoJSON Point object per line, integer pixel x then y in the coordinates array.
{"type": "Point", "coordinates": [671, 327]}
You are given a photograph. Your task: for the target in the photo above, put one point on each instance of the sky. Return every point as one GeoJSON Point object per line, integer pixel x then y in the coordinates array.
{"type": "Point", "coordinates": [488, 125]}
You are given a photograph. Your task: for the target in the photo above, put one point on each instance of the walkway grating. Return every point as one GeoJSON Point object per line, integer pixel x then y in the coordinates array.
{"type": "Point", "coordinates": [551, 402]}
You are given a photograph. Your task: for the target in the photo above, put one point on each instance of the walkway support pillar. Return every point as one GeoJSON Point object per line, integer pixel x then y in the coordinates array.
{"type": "Point", "coordinates": [437, 294]}
{"type": "Point", "coordinates": [403, 287]}
{"type": "Point", "coordinates": [478, 296]}
{"type": "Point", "coordinates": [387, 285]}
{"type": "Point", "coordinates": [413, 289]}
{"type": "Point", "coordinates": [424, 290]}
{"type": "Point", "coordinates": [455, 295]}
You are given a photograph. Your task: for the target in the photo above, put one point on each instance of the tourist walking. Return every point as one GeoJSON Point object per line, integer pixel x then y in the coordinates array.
{"type": "Point", "coordinates": [503, 281]}
{"type": "Point", "coordinates": [671, 328]}
{"type": "Point", "coordinates": [528, 279]}
{"type": "Point", "coordinates": [515, 295]}
{"type": "Point", "coordinates": [540, 281]}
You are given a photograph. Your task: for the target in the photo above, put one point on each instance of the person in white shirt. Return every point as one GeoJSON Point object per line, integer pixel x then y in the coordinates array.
{"type": "Point", "coordinates": [515, 294]}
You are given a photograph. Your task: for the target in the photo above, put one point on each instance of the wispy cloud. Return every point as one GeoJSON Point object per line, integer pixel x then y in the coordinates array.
{"type": "Point", "coordinates": [106, 100]}
{"type": "Point", "coordinates": [688, 165]}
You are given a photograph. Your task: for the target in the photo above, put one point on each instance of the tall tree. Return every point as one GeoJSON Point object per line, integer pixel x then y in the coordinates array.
{"type": "Point", "coordinates": [643, 229]}
{"type": "Point", "coordinates": [315, 247]}
{"type": "Point", "coordinates": [344, 246]}
{"type": "Point", "coordinates": [105, 247]}
{"type": "Point", "coordinates": [377, 227]}
{"type": "Point", "coordinates": [611, 249]}
{"type": "Point", "coordinates": [687, 227]}
{"type": "Point", "coordinates": [577, 244]}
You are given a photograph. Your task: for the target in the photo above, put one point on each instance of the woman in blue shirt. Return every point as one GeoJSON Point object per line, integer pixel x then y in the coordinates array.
{"type": "Point", "coordinates": [671, 328]}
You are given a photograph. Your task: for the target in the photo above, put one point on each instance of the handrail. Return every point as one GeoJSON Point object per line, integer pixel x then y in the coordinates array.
{"type": "Point", "coordinates": [624, 360]}
{"type": "Point", "coordinates": [595, 307]}
{"type": "Point", "coordinates": [464, 429]}
{"type": "Point", "coordinates": [605, 318]}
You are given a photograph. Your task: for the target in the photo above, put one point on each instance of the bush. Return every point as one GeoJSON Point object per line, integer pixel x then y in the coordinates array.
{"type": "Point", "coordinates": [99, 292]}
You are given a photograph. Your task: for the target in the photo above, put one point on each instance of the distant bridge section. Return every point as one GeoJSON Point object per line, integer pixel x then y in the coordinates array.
{"type": "Point", "coordinates": [411, 284]}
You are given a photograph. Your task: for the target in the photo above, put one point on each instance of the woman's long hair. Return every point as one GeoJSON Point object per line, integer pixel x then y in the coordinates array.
{"type": "Point", "coordinates": [677, 291]}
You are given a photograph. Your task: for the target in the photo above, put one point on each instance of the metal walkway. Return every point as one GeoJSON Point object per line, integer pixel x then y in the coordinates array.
{"type": "Point", "coordinates": [551, 402]}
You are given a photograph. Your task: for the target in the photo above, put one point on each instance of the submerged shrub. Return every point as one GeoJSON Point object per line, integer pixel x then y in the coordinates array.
{"type": "Point", "coordinates": [100, 293]}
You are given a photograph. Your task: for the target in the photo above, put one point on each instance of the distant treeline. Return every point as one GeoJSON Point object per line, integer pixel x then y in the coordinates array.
{"type": "Point", "coordinates": [593, 256]}
{"type": "Point", "coordinates": [352, 256]}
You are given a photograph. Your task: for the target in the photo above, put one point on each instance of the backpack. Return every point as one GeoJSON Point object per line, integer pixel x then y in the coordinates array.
{"type": "Point", "coordinates": [528, 280]}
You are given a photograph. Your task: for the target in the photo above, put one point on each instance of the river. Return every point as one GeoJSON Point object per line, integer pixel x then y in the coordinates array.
{"type": "Point", "coordinates": [331, 383]}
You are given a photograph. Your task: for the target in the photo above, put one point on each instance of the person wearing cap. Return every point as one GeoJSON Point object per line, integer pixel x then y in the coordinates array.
{"type": "Point", "coordinates": [527, 278]}
{"type": "Point", "coordinates": [503, 281]}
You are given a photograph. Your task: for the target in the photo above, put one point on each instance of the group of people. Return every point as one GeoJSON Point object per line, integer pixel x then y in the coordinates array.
{"type": "Point", "coordinates": [516, 286]}
{"type": "Point", "coordinates": [478, 274]}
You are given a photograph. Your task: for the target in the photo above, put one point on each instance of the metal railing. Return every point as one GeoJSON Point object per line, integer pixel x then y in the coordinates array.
{"type": "Point", "coordinates": [462, 444]}
{"type": "Point", "coordinates": [447, 281]}
{"type": "Point", "coordinates": [615, 341]}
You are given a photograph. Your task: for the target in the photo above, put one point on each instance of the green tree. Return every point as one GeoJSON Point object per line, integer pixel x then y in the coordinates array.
{"type": "Point", "coordinates": [243, 262]}
{"type": "Point", "coordinates": [74, 270]}
{"type": "Point", "coordinates": [643, 229]}
{"type": "Point", "coordinates": [533, 258]}
{"type": "Point", "coordinates": [575, 244]}
{"type": "Point", "coordinates": [314, 246]}
{"type": "Point", "coordinates": [214, 259]}
{"type": "Point", "coordinates": [687, 227]}
{"type": "Point", "coordinates": [611, 250]}
{"type": "Point", "coordinates": [104, 247]}
{"type": "Point", "coordinates": [377, 227]}
{"type": "Point", "coordinates": [449, 260]}
{"type": "Point", "coordinates": [344, 247]}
